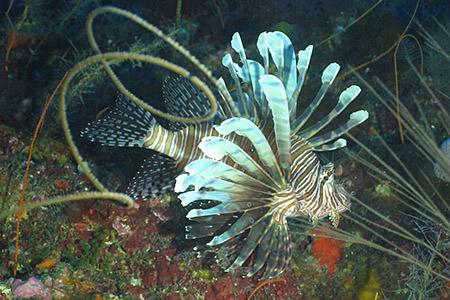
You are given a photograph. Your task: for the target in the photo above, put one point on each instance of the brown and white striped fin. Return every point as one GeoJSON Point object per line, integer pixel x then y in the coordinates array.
{"type": "Point", "coordinates": [184, 99]}
{"type": "Point", "coordinates": [126, 125]}
{"type": "Point", "coordinates": [156, 176]}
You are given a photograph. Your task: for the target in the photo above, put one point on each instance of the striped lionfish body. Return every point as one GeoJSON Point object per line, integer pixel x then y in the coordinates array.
{"type": "Point", "coordinates": [244, 177]}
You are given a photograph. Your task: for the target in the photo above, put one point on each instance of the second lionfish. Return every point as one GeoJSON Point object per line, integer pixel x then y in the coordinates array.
{"type": "Point", "coordinates": [244, 177]}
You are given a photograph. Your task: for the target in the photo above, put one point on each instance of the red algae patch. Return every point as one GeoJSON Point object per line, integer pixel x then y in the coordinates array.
{"type": "Point", "coordinates": [327, 251]}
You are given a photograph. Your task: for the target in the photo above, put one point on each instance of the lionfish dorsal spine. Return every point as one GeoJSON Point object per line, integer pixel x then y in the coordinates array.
{"type": "Point", "coordinates": [263, 49]}
{"type": "Point", "coordinates": [356, 118]}
{"type": "Point", "coordinates": [283, 56]}
{"type": "Point", "coordinates": [345, 98]}
{"type": "Point", "coordinates": [277, 99]}
{"type": "Point", "coordinates": [328, 76]}
{"type": "Point", "coordinates": [304, 57]}
{"type": "Point", "coordinates": [227, 109]}
{"type": "Point", "coordinates": [227, 61]}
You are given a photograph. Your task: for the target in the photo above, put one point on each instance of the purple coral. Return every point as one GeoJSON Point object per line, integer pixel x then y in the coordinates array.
{"type": "Point", "coordinates": [33, 287]}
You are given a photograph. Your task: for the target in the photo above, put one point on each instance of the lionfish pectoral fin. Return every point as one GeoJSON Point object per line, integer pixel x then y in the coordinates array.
{"type": "Point", "coordinates": [280, 253]}
{"type": "Point", "coordinates": [304, 57]}
{"type": "Point", "coordinates": [156, 176]}
{"type": "Point", "coordinates": [243, 223]}
{"type": "Point", "coordinates": [273, 251]}
{"type": "Point", "coordinates": [126, 125]}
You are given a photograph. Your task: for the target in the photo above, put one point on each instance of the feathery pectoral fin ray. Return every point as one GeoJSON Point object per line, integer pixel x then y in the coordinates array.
{"type": "Point", "coordinates": [216, 148]}
{"type": "Point", "coordinates": [248, 129]}
{"type": "Point", "coordinates": [244, 222]}
{"type": "Point", "coordinates": [209, 168]}
{"type": "Point", "coordinates": [252, 241]}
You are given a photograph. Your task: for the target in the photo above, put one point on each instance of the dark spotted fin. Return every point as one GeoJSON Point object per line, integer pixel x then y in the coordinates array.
{"type": "Point", "coordinates": [156, 176]}
{"type": "Point", "coordinates": [183, 99]}
{"type": "Point", "coordinates": [126, 125]}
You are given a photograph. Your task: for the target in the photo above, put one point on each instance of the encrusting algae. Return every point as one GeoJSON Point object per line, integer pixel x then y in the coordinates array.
{"type": "Point", "coordinates": [242, 165]}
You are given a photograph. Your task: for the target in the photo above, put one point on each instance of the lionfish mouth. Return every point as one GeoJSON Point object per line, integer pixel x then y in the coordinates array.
{"type": "Point", "coordinates": [241, 193]}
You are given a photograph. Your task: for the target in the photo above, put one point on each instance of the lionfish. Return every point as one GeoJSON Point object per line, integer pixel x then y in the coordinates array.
{"type": "Point", "coordinates": [242, 179]}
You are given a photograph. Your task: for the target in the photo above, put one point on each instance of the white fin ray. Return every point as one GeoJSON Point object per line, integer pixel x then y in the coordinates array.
{"type": "Point", "coordinates": [283, 55]}
{"type": "Point", "coordinates": [222, 196]}
{"type": "Point", "coordinates": [248, 219]}
{"type": "Point", "coordinates": [264, 248]}
{"type": "Point", "coordinates": [245, 73]}
{"type": "Point", "coordinates": [346, 97]}
{"type": "Point", "coordinates": [227, 207]}
{"type": "Point", "coordinates": [191, 196]}
{"type": "Point", "coordinates": [217, 148]}
{"type": "Point", "coordinates": [276, 97]}
{"type": "Point", "coordinates": [328, 76]}
{"type": "Point", "coordinates": [209, 168]}
{"type": "Point", "coordinates": [256, 71]}
{"type": "Point", "coordinates": [263, 49]}
{"type": "Point", "coordinates": [248, 129]}
{"type": "Point", "coordinates": [227, 61]}
{"type": "Point", "coordinates": [337, 144]}
{"type": "Point", "coordinates": [356, 118]}
{"type": "Point", "coordinates": [184, 181]}
{"type": "Point", "coordinates": [231, 109]}
{"type": "Point", "coordinates": [253, 240]}
{"type": "Point", "coordinates": [304, 57]}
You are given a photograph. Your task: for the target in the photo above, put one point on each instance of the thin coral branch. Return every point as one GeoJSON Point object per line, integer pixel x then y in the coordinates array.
{"type": "Point", "coordinates": [27, 170]}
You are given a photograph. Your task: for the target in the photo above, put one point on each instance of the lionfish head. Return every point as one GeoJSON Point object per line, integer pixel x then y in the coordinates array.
{"type": "Point", "coordinates": [330, 198]}
{"type": "Point", "coordinates": [261, 168]}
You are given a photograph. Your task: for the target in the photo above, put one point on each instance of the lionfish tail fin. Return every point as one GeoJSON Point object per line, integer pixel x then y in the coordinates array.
{"type": "Point", "coordinates": [126, 125]}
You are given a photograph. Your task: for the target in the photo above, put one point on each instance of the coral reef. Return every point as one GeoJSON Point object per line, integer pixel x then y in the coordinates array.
{"type": "Point", "coordinates": [99, 250]}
